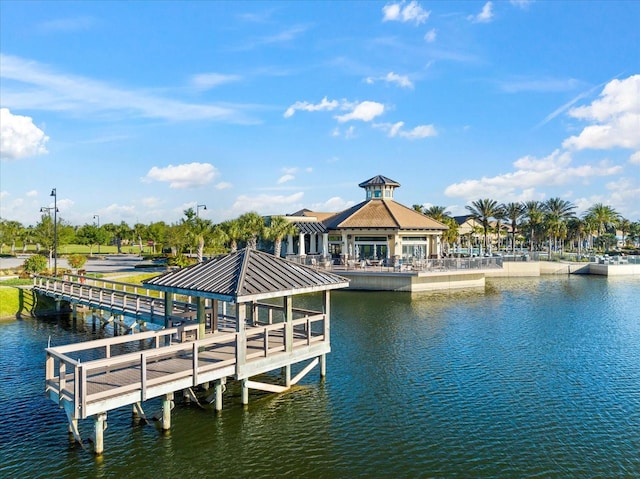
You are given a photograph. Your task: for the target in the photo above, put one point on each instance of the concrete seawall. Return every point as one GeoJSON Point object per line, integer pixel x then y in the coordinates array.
{"type": "Point", "coordinates": [537, 268]}
{"type": "Point", "coordinates": [461, 279]}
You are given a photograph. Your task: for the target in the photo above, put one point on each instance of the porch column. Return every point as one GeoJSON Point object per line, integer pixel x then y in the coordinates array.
{"type": "Point", "coordinates": [345, 247]}
{"type": "Point", "coordinates": [201, 316]}
{"type": "Point", "coordinates": [301, 250]}
{"type": "Point", "coordinates": [289, 244]}
{"type": "Point", "coordinates": [313, 243]}
{"type": "Point", "coordinates": [325, 244]}
{"type": "Point", "coordinates": [288, 312]}
{"type": "Point", "coordinates": [214, 315]}
{"type": "Point", "coordinates": [168, 307]}
{"type": "Point", "coordinates": [241, 342]}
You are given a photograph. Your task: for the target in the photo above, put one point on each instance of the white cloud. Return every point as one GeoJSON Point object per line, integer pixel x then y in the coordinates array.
{"type": "Point", "coordinates": [616, 114]}
{"type": "Point", "coordinates": [634, 159]}
{"type": "Point", "coordinates": [400, 80]}
{"type": "Point", "coordinates": [285, 178]}
{"type": "Point", "coordinates": [151, 202]}
{"type": "Point", "coordinates": [521, 3]}
{"type": "Point", "coordinates": [188, 175]}
{"type": "Point", "coordinates": [223, 185]}
{"type": "Point", "coordinates": [364, 111]}
{"type": "Point", "coordinates": [538, 85]}
{"type": "Point", "coordinates": [421, 131]}
{"type": "Point", "coordinates": [395, 129]}
{"type": "Point", "coordinates": [430, 36]}
{"type": "Point", "coordinates": [405, 12]}
{"type": "Point", "coordinates": [333, 204]}
{"type": "Point", "coordinates": [52, 91]}
{"type": "Point", "coordinates": [324, 105]}
{"type": "Point", "coordinates": [19, 137]}
{"type": "Point", "coordinates": [266, 204]}
{"type": "Point", "coordinates": [290, 171]}
{"type": "Point", "coordinates": [530, 172]}
{"type": "Point", "coordinates": [485, 15]}
{"type": "Point", "coordinates": [204, 81]}
{"type": "Point", "coordinates": [32, 194]}
{"type": "Point", "coordinates": [67, 24]}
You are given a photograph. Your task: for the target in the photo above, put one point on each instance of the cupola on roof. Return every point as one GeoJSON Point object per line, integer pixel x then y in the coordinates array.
{"type": "Point", "coordinates": [379, 187]}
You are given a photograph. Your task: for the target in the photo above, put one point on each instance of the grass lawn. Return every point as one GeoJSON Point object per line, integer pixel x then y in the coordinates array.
{"type": "Point", "coordinates": [14, 301]}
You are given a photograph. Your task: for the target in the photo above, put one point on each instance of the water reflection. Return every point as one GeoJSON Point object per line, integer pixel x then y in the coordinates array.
{"type": "Point", "coordinates": [527, 378]}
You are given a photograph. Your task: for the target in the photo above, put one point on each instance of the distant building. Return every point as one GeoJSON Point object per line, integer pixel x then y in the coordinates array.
{"type": "Point", "coordinates": [378, 229]}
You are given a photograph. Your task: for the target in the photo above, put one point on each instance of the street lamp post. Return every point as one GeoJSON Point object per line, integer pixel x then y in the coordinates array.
{"type": "Point", "coordinates": [98, 218]}
{"type": "Point", "coordinates": [204, 207]}
{"type": "Point", "coordinates": [55, 231]}
{"type": "Point", "coordinates": [48, 210]}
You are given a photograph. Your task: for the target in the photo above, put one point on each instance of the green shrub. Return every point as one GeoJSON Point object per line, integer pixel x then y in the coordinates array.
{"type": "Point", "coordinates": [76, 261]}
{"type": "Point", "coordinates": [35, 264]}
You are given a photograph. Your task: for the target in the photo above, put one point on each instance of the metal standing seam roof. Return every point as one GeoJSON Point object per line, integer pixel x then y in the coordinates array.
{"type": "Point", "coordinates": [310, 227]}
{"type": "Point", "coordinates": [246, 275]}
{"type": "Point", "coordinates": [379, 180]}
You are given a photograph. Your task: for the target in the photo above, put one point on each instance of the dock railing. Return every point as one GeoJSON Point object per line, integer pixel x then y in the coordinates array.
{"type": "Point", "coordinates": [388, 265]}
{"type": "Point", "coordinates": [93, 376]}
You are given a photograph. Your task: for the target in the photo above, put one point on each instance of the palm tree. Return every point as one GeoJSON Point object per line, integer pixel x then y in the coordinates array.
{"type": "Point", "coordinates": [500, 214]}
{"type": "Point", "coordinates": [278, 228]}
{"type": "Point", "coordinates": [417, 208]}
{"type": "Point", "coordinates": [513, 212]}
{"type": "Point", "coordinates": [252, 226]}
{"type": "Point", "coordinates": [604, 216]}
{"type": "Point", "coordinates": [233, 232]}
{"type": "Point", "coordinates": [534, 212]}
{"type": "Point", "coordinates": [438, 213]}
{"type": "Point", "coordinates": [624, 225]}
{"type": "Point", "coordinates": [482, 210]}
{"type": "Point", "coordinates": [576, 228]}
{"type": "Point", "coordinates": [557, 213]}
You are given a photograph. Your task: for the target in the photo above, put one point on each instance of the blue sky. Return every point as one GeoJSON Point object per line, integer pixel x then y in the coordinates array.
{"type": "Point", "coordinates": [135, 111]}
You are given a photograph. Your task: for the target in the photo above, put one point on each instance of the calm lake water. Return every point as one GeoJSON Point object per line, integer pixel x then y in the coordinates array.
{"type": "Point", "coordinates": [526, 378]}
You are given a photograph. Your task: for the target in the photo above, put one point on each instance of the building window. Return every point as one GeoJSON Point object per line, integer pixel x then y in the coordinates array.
{"type": "Point", "coordinates": [377, 194]}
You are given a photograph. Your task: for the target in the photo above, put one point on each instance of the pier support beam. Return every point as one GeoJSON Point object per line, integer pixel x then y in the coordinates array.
{"type": "Point", "coordinates": [245, 392]}
{"type": "Point", "coordinates": [323, 365]}
{"type": "Point", "coordinates": [167, 406]}
{"type": "Point", "coordinates": [100, 425]}
{"type": "Point", "coordinates": [287, 375]}
{"type": "Point", "coordinates": [218, 389]}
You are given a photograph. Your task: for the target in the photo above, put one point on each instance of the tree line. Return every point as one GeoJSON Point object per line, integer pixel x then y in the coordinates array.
{"type": "Point", "coordinates": [191, 234]}
{"type": "Point", "coordinates": [552, 225]}
{"type": "Point", "coordinates": [538, 225]}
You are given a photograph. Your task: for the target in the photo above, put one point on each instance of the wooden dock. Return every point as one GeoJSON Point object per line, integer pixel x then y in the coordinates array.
{"type": "Point", "coordinates": [222, 329]}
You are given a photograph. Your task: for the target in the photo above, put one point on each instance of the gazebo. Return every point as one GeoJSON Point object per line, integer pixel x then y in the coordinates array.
{"type": "Point", "coordinates": [250, 293]}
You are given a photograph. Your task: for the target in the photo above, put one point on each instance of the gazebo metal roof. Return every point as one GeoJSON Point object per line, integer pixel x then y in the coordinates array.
{"type": "Point", "coordinates": [246, 275]}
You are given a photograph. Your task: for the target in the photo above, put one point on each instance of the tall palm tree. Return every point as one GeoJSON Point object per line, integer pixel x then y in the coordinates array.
{"type": "Point", "coordinates": [534, 212]}
{"type": "Point", "coordinates": [513, 212]}
{"type": "Point", "coordinates": [277, 229]}
{"type": "Point", "coordinates": [604, 216]}
{"type": "Point", "coordinates": [252, 225]}
{"type": "Point", "coordinates": [233, 232]}
{"type": "Point", "coordinates": [499, 215]}
{"type": "Point", "coordinates": [438, 213]}
{"type": "Point", "coordinates": [417, 208]}
{"type": "Point", "coordinates": [557, 213]}
{"type": "Point", "coordinates": [576, 228]}
{"type": "Point", "coordinates": [483, 210]}
{"type": "Point", "coordinates": [624, 225]}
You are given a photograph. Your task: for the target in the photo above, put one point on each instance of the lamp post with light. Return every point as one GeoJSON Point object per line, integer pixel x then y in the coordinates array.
{"type": "Point", "coordinates": [204, 207]}
{"type": "Point", "coordinates": [55, 231]}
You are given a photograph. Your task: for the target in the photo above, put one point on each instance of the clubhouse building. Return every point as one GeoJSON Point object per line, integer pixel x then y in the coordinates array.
{"type": "Point", "coordinates": [378, 230]}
